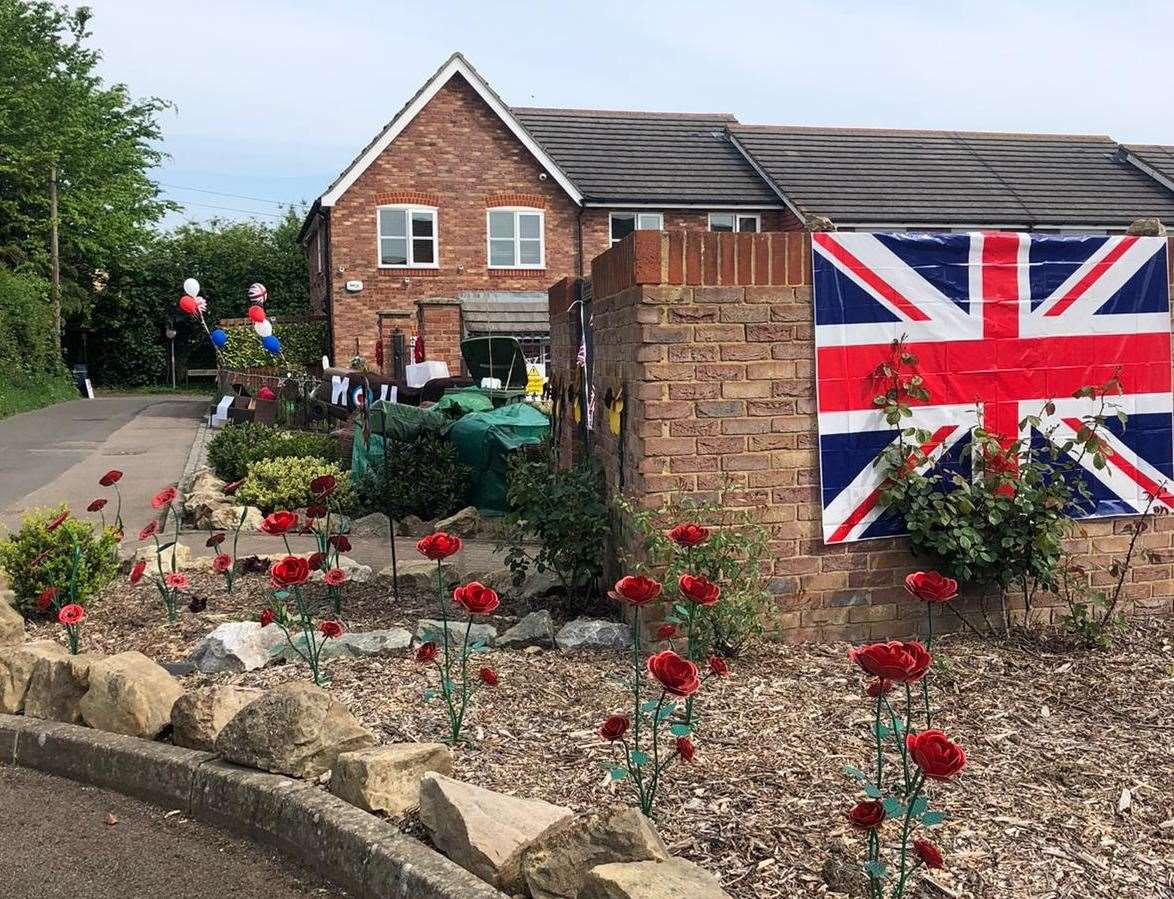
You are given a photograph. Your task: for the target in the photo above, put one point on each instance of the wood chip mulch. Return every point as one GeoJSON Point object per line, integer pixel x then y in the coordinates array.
{"type": "Point", "coordinates": [1069, 790]}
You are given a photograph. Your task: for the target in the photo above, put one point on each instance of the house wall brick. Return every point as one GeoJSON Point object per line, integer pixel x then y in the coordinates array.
{"type": "Point", "coordinates": [742, 431]}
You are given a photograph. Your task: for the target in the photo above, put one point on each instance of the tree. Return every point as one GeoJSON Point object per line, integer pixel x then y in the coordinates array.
{"type": "Point", "coordinates": [56, 114]}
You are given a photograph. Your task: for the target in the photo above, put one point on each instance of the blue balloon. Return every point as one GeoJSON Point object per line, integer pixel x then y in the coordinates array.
{"type": "Point", "coordinates": [272, 344]}
{"type": "Point", "coordinates": [219, 338]}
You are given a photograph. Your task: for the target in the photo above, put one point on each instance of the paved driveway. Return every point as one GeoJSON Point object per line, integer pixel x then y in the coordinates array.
{"type": "Point", "coordinates": [57, 454]}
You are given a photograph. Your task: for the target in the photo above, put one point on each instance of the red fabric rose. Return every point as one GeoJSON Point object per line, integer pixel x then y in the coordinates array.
{"type": "Point", "coordinates": [331, 628]}
{"type": "Point", "coordinates": [335, 577]}
{"type": "Point", "coordinates": [930, 855]}
{"type": "Point", "coordinates": [614, 727]}
{"type": "Point", "coordinates": [678, 676]}
{"type": "Point", "coordinates": [867, 815]}
{"type": "Point", "coordinates": [222, 563]}
{"type": "Point", "coordinates": [636, 590]}
{"type": "Point", "coordinates": [164, 497]}
{"type": "Point", "coordinates": [48, 595]}
{"type": "Point", "coordinates": [879, 687]}
{"type": "Point", "coordinates": [230, 489]}
{"type": "Point", "coordinates": [214, 540]}
{"type": "Point", "coordinates": [136, 573]}
{"type": "Point", "coordinates": [931, 586]}
{"type": "Point", "coordinates": [488, 676]}
{"type": "Point", "coordinates": [699, 589]}
{"type": "Point", "coordinates": [96, 505]}
{"type": "Point", "coordinates": [689, 535]}
{"type": "Point", "coordinates": [718, 666]}
{"type": "Point", "coordinates": [150, 530]}
{"type": "Point", "coordinates": [922, 659]}
{"type": "Point", "coordinates": [894, 661]}
{"type": "Point", "coordinates": [175, 580]}
{"type": "Point", "coordinates": [938, 757]}
{"type": "Point", "coordinates": [267, 617]}
{"type": "Point", "coordinates": [315, 511]}
{"type": "Point", "coordinates": [278, 523]}
{"type": "Point", "coordinates": [290, 571]}
{"type": "Point", "coordinates": [666, 632]}
{"type": "Point", "coordinates": [71, 614]}
{"type": "Point", "coordinates": [439, 546]}
{"type": "Point", "coordinates": [324, 485]}
{"type": "Point", "coordinates": [58, 521]}
{"type": "Point", "coordinates": [315, 560]}
{"type": "Point", "coordinates": [112, 477]}
{"type": "Point", "coordinates": [41, 557]}
{"type": "Point", "coordinates": [475, 598]}
{"type": "Point", "coordinates": [685, 748]}
{"type": "Point", "coordinates": [426, 653]}
{"type": "Point", "coordinates": [341, 542]}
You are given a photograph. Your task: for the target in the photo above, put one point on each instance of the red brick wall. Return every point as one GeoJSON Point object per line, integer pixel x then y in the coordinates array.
{"type": "Point", "coordinates": [712, 336]}
{"type": "Point", "coordinates": [597, 228]}
{"type": "Point", "coordinates": [462, 157]}
{"type": "Point", "coordinates": [439, 320]}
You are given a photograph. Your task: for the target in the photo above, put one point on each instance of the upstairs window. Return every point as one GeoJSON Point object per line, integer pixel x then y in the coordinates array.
{"type": "Point", "coordinates": [515, 238]}
{"type": "Point", "coordinates": [407, 237]}
{"type": "Point", "coordinates": [624, 223]}
{"type": "Point", "coordinates": [733, 221]}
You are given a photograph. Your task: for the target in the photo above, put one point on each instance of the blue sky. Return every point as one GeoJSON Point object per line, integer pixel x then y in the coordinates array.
{"type": "Point", "coordinates": [274, 97]}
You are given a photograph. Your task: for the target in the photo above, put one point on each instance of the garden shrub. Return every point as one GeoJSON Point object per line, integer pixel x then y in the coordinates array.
{"type": "Point", "coordinates": [54, 549]}
{"type": "Point", "coordinates": [423, 477]}
{"type": "Point", "coordinates": [236, 445]}
{"type": "Point", "coordinates": [731, 557]}
{"type": "Point", "coordinates": [284, 483]}
{"type": "Point", "coordinates": [562, 511]}
{"type": "Point", "coordinates": [302, 343]}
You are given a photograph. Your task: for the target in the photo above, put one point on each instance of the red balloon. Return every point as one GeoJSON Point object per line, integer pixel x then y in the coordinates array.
{"type": "Point", "coordinates": [256, 314]}
{"type": "Point", "coordinates": [188, 304]}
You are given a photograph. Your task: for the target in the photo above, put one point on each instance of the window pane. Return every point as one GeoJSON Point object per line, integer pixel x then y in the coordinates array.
{"type": "Point", "coordinates": [747, 223]}
{"type": "Point", "coordinates": [393, 251]}
{"type": "Point", "coordinates": [649, 221]}
{"type": "Point", "coordinates": [393, 222]}
{"type": "Point", "coordinates": [422, 251]}
{"type": "Point", "coordinates": [501, 224]}
{"type": "Point", "coordinates": [721, 221]}
{"type": "Point", "coordinates": [622, 224]}
{"type": "Point", "coordinates": [501, 252]}
{"type": "Point", "coordinates": [422, 224]}
{"type": "Point", "coordinates": [528, 225]}
{"type": "Point", "coordinates": [531, 251]}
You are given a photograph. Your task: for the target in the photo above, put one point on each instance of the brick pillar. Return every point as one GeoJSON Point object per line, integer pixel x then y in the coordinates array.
{"type": "Point", "coordinates": [439, 322]}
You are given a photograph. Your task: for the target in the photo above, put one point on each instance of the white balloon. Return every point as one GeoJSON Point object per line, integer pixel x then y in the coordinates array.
{"type": "Point", "coordinates": [263, 329]}
{"type": "Point", "coordinates": [191, 287]}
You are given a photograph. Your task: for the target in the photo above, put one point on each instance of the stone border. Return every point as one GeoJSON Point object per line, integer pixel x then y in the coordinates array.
{"type": "Point", "coordinates": [198, 451]}
{"type": "Point", "coordinates": [358, 851]}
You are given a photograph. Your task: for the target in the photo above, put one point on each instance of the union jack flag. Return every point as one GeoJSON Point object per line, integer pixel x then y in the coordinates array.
{"type": "Point", "coordinates": [1000, 323]}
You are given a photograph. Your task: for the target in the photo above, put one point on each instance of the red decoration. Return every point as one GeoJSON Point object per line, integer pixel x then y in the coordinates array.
{"type": "Point", "coordinates": [189, 305]}
{"type": "Point", "coordinates": [256, 314]}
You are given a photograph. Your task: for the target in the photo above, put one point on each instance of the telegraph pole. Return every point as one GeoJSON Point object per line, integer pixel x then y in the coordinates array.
{"type": "Point", "coordinates": [54, 254]}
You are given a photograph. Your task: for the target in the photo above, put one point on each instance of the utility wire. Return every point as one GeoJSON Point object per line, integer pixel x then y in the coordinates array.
{"type": "Point", "coordinates": [230, 209]}
{"type": "Point", "coordinates": [221, 193]}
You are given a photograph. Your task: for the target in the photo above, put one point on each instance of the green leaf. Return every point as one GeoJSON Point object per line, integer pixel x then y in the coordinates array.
{"type": "Point", "coordinates": [920, 804]}
{"type": "Point", "coordinates": [871, 791]}
{"type": "Point", "coordinates": [477, 647]}
{"type": "Point", "coordinates": [876, 870]}
{"type": "Point", "coordinates": [855, 772]}
{"type": "Point", "coordinates": [650, 705]}
{"type": "Point", "coordinates": [429, 694]}
{"type": "Point", "coordinates": [639, 758]}
{"type": "Point", "coordinates": [281, 594]}
{"type": "Point", "coordinates": [682, 730]}
{"type": "Point", "coordinates": [667, 712]}
{"type": "Point", "coordinates": [619, 773]}
{"type": "Point", "coordinates": [880, 731]}
{"type": "Point", "coordinates": [929, 819]}
{"type": "Point", "coordinates": [893, 807]}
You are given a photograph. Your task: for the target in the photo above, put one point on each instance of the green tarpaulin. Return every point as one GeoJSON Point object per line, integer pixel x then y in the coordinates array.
{"type": "Point", "coordinates": [484, 440]}
{"type": "Point", "coordinates": [403, 423]}
{"type": "Point", "coordinates": [458, 403]}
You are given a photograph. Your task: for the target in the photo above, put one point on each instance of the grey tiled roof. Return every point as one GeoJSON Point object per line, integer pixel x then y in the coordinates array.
{"type": "Point", "coordinates": [648, 157]}
{"type": "Point", "coordinates": [1157, 157]}
{"type": "Point", "coordinates": [955, 178]}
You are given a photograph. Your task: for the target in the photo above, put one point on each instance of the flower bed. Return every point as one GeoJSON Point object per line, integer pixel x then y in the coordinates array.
{"type": "Point", "coordinates": [1034, 813]}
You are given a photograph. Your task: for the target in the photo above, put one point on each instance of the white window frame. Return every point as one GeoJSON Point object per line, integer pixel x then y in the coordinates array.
{"type": "Point", "coordinates": [322, 248]}
{"type": "Point", "coordinates": [737, 215]}
{"type": "Point", "coordinates": [409, 210]}
{"type": "Point", "coordinates": [518, 264]}
{"type": "Point", "coordinates": [637, 215]}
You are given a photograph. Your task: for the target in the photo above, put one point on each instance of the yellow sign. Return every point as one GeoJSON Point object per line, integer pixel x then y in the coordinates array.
{"type": "Point", "coordinates": [534, 381]}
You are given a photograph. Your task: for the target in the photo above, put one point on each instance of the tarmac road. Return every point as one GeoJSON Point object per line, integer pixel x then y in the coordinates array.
{"type": "Point", "coordinates": [57, 843]}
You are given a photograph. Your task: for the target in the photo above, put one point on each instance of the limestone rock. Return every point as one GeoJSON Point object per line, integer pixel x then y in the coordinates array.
{"type": "Point", "coordinates": [129, 694]}
{"type": "Point", "coordinates": [147, 553]}
{"type": "Point", "coordinates": [11, 625]}
{"type": "Point", "coordinates": [295, 729]}
{"type": "Point", "coordinates": [199, 716]}
{"type": "Point", "coordinates": [203, 493]}
{"type": "Point", "coordinates": [1147, 227]}
{"type": "Point", "coordinates": [465, 523]}
{"type": "Point", "coordinates": [227, 517]}
{"type": "Point", "coordinates": [355, 571]}
{"type": "Point", "coordinates": [413, 526]}
{"type": "Point", "coordinates": [374, 525]}
{"type": "Point", "coordinates": [387, 778]}
{"type": "Point", "coordinates": [672, 879]}
{"type": "Point", "coordinates": [57, 686]}
{"type": "Point", "coordinates": [358, 644]}
{"type": "Point", "coordinates": [534, 584]}
{"type": "Point", "coordinates": [420, 574]}
{"type": "Point", "coordinates": [7, 597]}
{"type": "Point", "coordinates": [536, 629]}
{"type": "Point", "coordinates": [16, 670]}
{"type": "Point", "coordinates": [432, 630]}
{"type": "Point", "coordinates": [237, 646]}
{"type": "Point", "coordinates": [586, 634]}
{"type": "Point", "coordinates": [556, 863]}
{"type": "Point", "coordinates": [482, 831]}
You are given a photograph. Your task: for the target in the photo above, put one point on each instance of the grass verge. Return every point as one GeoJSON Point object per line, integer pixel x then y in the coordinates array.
{"type": "Point", "coordinates": [25, 394]}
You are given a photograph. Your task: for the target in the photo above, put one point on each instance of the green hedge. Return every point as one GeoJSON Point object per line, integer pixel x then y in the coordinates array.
{"type": "Point", "coordinates": [28, 342]}
{"type": "Point", "coordinates": [302, 343]}
{"type": "Point", "coordinates": [236, 445]}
